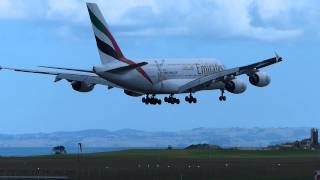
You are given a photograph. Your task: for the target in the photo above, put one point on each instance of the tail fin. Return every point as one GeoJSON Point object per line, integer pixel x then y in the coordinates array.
{"type": "Point", "coordinates": [108, 48]}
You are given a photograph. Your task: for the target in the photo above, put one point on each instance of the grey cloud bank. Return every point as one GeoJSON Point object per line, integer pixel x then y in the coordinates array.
{"type": "Point", "coordinates": [267, 20]}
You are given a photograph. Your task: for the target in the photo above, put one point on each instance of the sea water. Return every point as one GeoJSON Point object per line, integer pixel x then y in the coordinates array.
{"type": "Point", "coordinates": [35, 151]}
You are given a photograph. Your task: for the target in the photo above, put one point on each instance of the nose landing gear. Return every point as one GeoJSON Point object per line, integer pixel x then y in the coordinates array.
{"type": "Point", "coordinates": [153, 100]}
{"type": "Point", "coordinates": [222, 97]}
{"type": "Point", "coordinates": [171, 100]}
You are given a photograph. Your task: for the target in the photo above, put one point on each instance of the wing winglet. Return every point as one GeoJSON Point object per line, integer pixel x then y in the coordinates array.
{"type": "Point", "coordinates": [278, 58]}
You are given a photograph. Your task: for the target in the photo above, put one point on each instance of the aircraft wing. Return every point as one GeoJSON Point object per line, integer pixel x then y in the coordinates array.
{"type": "Point", "coordinates": [223, 75]}
{"type": "Point", "coordinates": [90, 79]}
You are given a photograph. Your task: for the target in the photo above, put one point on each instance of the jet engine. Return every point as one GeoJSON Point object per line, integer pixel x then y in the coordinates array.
{"type": "Point", "coordinates": [131, 93]}
{"type": "Point", "coordinates": [236, 86]}
{"type": "Point", "coordinates": [81, 86]}
{"type": "Point", "coordinates": [260, 79]}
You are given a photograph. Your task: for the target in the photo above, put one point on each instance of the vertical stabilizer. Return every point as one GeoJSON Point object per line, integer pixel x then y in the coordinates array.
{"type": "Point", "coordinates": [108, 48]}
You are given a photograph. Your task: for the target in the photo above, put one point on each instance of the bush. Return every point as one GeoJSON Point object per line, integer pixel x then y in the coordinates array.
{"type": "Point", "coordinates": [59, 150]}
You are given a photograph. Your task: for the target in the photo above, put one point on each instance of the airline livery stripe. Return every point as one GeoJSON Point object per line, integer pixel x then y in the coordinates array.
{"type": "Point", "coordinates": [102, 36]}
{"type": "Point", "coordinates": [144, 74]}
{"type": "Point", "coordinates": [97, 23]}
{"type": "Point", "coordinates": [105, 48]}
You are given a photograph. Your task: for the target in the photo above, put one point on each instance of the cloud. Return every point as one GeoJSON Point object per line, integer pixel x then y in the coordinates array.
{"type": "Point", "coordinates": [268, 20]}
{"type": "Point", "coordinates": [69, 10]}
{"type": "Point", "coordinates": [236, 20]}
{"type": "Point", "coordinates": [19, 9]}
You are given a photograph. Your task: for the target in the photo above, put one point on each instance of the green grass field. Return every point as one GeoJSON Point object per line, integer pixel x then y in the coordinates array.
{"type": "Point", "coordinates": [212, 153]}
{"type": "Point", "coordinates": [170, 165]}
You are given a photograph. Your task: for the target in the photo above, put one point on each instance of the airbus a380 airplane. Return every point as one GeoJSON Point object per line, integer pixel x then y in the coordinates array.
{"type": "Point", "coordinates": [150, 78]}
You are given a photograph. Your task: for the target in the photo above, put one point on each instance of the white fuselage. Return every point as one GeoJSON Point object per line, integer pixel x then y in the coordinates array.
{"type": "Point", "coordinates": [164, 77]}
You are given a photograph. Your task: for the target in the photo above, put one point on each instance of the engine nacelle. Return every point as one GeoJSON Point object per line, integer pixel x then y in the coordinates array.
{"type": "Point", "coordinates": [260, 79]}
{"type": "Point", "coordinates": [81, 86]}
{"type": "Point", "coordinates": [236, 86]}
{"type": "Point", "coordinates": [131, 93]}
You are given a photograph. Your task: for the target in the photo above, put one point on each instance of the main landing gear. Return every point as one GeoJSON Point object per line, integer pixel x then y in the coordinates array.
{"type": "Point", "coordinates": [153, 100]}
{"type": "Point", "coordinates": [190, 99]}
{"type": "Point", "coordinates": [171, 100]}
{"type": "Point", "coordinates": [222, 97]}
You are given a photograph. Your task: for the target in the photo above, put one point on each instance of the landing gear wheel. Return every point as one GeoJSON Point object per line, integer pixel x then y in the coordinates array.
{"type": "Point", "coordinates": [171, 100]}
{"type": "Point", "coordinates": [190, 99]}
{"type": "Point", "coordinates": [224, 98]}
{"type": "Point", "coordinates": [194, 100]}
{"type": "Point", "coordinates": [153, 100]}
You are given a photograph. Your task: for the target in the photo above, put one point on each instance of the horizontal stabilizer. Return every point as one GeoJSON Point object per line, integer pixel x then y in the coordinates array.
{"type": "Point", "coordinates": [127, 68]}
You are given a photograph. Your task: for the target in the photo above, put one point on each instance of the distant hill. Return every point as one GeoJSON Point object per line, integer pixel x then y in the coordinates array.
{"type": "Point", "coordinates": [224, 137]}
{"type": "Point", "coordinates": [203, 147]}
